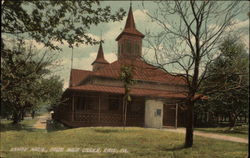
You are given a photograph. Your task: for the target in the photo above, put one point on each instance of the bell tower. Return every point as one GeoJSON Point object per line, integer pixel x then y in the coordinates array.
{"type": "Point", "coordinates": [130, 39]}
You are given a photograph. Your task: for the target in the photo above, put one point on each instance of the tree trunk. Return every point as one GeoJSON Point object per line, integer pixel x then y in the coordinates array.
{"type": "Point", "coordinates": [207, 117]}
{"type": "Point", "coordinates": [245, 118]}
{"type": "Point", "coordinates": [232, 120]}
{"type": "Point", "coordinates": [33, 114]}
{"type": "Point", "coordinates": [16, 117]}
{"type": "Point", "coordinates": [189, 126]}
{"type": "Point", "coordinates": [124, 111]}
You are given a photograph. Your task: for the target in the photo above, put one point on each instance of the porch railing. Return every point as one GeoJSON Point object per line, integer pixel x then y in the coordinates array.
{"type": "Point", "coordinates": [108, 119]}
{"type": "Point", "coordinates": [91, 118]}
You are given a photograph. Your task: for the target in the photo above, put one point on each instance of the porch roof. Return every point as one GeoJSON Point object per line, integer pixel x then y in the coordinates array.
{"type": "Point", "coordinates": [134, 91]}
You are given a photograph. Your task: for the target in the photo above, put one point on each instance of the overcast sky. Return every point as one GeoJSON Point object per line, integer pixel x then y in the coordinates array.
{"type": "Point", "coordinates": [84, 55]}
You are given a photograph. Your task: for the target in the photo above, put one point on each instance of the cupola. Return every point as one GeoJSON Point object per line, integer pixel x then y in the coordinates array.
{"type": "Point", "coordinates": [130, 39]}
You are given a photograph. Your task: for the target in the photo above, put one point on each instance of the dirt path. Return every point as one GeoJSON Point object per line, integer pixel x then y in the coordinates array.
{"type": "Point", "coordinates": [41, 123]}
{"type": "Point", "coordinates": [211, 135]}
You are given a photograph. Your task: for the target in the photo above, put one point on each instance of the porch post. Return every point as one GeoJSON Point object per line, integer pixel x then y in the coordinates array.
{"type": "Point", "coordinates": [73, 107]}
{"type": "Point", "coordinates": [99, 103]}
{"type": "Point", "coordinates": [176, 115]}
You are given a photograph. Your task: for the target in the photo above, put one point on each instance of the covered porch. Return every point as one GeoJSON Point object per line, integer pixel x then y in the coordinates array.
{"type": "Point", "coordinates": [99, 109]}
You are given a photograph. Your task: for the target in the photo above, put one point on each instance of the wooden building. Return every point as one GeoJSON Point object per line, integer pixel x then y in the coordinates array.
{"type": "Point", "coordinates": [94, 98]}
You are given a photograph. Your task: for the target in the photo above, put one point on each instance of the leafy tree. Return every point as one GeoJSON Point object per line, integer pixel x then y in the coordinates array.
{"type": "Point", "coordinates": [228, 80]}
{"type": "Point", "coordinates": [45, 22]}
{"type": "Point", "coordinates": [51, 20]}
{"type": "Point", "coordinates": [189, 35]}
{"type": "Point", "coordinates": [25, 70]}
{"type": "Point", "coordinates": [126, 76]}
{"type": "Point", "coordinates": [54, 85]}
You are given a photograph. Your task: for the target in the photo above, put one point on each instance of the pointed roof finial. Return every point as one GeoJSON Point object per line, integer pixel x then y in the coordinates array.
{"type": "Point", "coordinates": [100, 56]}
{"type": "Point", "coordinates": [130, 23]}
{"type": "Point", "coordinates": [101, 34]}
{"type": "Point", "coordinates": [130, 3]}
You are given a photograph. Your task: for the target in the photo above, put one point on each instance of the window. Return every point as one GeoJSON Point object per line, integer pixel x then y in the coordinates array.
{"type": "Point", "coordinates": [91, 102]}
{"type": "Point", "coordinates": [137, 47]}
{"type": "Point", "coordinates": [119, 49]}
{"type": "Point", "coordinates": [128, 46]}
{"type": "Point", "coordinates": [114, 102]}
{"type": "Point", "coordinates": [122, 47]}
{"type": "Point", "coordinates": [158, 112]}
{"type": "Point", "coordinates": [76, 102]}
{"type": "Point", "coordinates": [132, 48]}
{"type": "Point", "coordinates": [80, 103]}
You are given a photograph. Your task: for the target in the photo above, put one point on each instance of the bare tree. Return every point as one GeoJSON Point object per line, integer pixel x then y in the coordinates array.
{"type": "Point", "coordinates": [188, 42]}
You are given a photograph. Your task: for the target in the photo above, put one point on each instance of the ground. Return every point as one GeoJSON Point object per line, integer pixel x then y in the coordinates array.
{"type": "Point", "coordinates": [239, 131]}
{"type": "Point", "coordinates": [213, 135]}
{"type": "Point", "coordinates": [41, 122]}
{"type": "Point", "coordinates": [139, 142]}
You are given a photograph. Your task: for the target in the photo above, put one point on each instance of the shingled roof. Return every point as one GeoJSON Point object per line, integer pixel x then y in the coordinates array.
{"type": "Point", "coordinates": [142, 71]}
{"type": "Point", "coordinates": [76, 76]}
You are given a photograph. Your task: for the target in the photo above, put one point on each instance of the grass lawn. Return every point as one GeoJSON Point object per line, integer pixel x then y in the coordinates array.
{"type": "Point", "coordinates": [140, 142]}
{"type": "Point", "coordinates": [239, 131]}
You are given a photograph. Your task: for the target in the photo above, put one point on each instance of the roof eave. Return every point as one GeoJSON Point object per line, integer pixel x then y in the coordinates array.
{"type": "Point", "coordinates": [99, 62]}
{"type": "Point", "coordinates": [119, 36]}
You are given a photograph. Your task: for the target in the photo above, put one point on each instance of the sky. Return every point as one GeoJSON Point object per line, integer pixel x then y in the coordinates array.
{"type": "Point", "coordinates": [84, 55]}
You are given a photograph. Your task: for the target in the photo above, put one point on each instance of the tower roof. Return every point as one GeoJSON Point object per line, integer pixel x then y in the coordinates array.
{"type": "Point", "coordinates": [130, 23]}
{"type": "Point", "coordinates": [100, 57]}
{"type": "Point", "coordinates": [130, 26]}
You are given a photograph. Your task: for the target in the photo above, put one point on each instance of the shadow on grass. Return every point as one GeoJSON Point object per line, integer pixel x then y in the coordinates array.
{"type": "Point", "coordinates": [175, 148]}
{"type": "Point", "coordinates": [15, 127]}
{"type": "Point", "coordinates": [107, 130]}
{"type": "Point", "coordinates": [53, 126]}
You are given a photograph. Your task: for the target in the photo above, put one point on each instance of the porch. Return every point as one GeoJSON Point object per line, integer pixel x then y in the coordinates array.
{"type": "Point", "coordinates": [99, 109]}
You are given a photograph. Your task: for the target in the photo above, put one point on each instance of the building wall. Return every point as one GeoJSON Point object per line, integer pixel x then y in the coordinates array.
{"type": "Point", "coordinates": [153, 113]}
{"type": "Point", "coordinates": [141, 112]}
